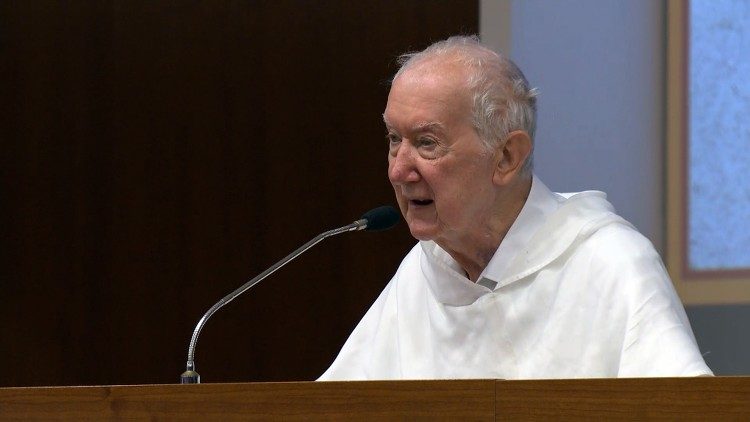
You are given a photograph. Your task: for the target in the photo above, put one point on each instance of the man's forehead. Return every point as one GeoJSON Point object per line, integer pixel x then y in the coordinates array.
{"type": "Point", "coordinates": [439, 81]}
{"type": "Point", "coordinates": [426, 101]}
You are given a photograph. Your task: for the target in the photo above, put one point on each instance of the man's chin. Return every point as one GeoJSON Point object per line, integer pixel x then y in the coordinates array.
{"type": "Point", "coordinates": [422, 233]}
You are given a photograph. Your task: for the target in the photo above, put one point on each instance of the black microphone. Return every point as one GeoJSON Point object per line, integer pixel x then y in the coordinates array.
{"type": "Point", "coordinates": [381, 218]}
{"type": "Point", "coordinates": [377, 219]}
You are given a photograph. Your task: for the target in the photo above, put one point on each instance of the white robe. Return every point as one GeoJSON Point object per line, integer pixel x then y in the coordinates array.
{"type": "Point", "coordinates": [579, 293]}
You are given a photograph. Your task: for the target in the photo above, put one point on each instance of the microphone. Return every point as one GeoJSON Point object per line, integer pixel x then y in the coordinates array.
{"type": "Point", "coordinates": [380, 218]}
{"type": "Point", "coordinates": [377, 219]}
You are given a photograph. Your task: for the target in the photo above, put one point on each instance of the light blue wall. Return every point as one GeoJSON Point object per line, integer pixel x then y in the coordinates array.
{"type": "Point", "coordinates": [600, 68]}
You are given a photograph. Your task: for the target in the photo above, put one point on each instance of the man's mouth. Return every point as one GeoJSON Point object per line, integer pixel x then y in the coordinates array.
{"type": "Point", "coordinates": [420, 202]}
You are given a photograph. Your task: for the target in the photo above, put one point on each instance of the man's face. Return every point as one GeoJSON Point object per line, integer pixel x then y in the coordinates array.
{"type": "Point", "coordinates": [439, 168]}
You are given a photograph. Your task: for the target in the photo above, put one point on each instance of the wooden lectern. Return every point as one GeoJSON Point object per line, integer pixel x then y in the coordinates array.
{"type": "Point", "coordinates": [705, 398]}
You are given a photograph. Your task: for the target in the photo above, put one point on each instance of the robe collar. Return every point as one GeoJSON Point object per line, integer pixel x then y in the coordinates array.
{"type": "Point", "coordinates": [446, 277]}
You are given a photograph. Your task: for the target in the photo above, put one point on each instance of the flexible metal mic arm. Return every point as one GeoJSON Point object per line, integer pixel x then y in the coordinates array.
{"type": "Point", "coordinates": [192, 377]}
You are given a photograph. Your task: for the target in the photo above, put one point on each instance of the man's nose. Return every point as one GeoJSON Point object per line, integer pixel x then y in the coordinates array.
{"type": "Point", "coordinates": [402, 166]}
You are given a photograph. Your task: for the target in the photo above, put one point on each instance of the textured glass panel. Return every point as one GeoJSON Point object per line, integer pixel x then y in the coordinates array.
{"type": "Point", "coordinates": [719, 131]}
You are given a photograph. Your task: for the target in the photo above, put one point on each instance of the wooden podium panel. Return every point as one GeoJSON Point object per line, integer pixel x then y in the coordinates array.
{"type": "Point", "coordinates": [700, 398]}
{"type": "Point", "coordinates": [706, 398]}
{"type": "Point", "coordinates": [384, 400]}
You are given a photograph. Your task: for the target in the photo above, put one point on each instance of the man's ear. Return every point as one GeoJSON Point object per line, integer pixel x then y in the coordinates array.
{"type": "Point", "coordinates": [511, 156]}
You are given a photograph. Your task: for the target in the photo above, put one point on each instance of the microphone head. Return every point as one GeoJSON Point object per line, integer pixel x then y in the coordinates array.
{"type": "Point", "coordinates": [381, 218]}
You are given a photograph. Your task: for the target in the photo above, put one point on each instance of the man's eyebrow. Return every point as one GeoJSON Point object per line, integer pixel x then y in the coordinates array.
{"type": "Point", "coordinates": [385, 120]}
{"type": "Point", "coordinates": [425, 126]}
{"type": "Point", "coordinates": [421, 126]}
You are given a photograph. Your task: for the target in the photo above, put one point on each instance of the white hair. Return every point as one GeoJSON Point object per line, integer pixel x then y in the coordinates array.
{"type": "Point", "coordinates": [502, 100]}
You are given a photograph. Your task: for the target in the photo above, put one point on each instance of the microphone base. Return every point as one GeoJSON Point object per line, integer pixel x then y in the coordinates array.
{"type": "Point", "coordinates": [190, 377]}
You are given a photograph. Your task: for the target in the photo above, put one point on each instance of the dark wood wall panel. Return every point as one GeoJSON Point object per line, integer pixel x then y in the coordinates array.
{"type": "Point", "coordinates": [157, 154]}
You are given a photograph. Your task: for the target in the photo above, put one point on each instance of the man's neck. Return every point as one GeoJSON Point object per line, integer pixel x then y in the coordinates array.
{"type": "Point", "coordinates": [475, 250]}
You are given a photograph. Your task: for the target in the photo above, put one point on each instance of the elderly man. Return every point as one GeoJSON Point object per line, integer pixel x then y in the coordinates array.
{"type": "Point", "coordinates": [508, 280]}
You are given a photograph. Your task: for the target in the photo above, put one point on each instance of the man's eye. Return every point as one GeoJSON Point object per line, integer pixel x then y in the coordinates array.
{"type": "Point", "coordinates": [426, 142]}
{"type": "Point", "coordinates": [392, 139]}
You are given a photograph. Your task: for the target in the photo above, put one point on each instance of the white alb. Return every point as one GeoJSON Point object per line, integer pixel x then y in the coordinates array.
{"type": "Point", "coordinates": [573, 291]}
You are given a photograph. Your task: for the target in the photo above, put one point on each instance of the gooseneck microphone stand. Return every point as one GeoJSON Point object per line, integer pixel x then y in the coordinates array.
{"type": "Point", "coordinates": [377, 219]}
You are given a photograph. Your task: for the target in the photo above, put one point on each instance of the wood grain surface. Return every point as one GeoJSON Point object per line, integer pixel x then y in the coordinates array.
{"type": "Point", "coordinates": [709, 398]}
{"type": "Point", "coordinates": [702, 398]}
{"type": "Point", "coordinates": [426, 400]}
